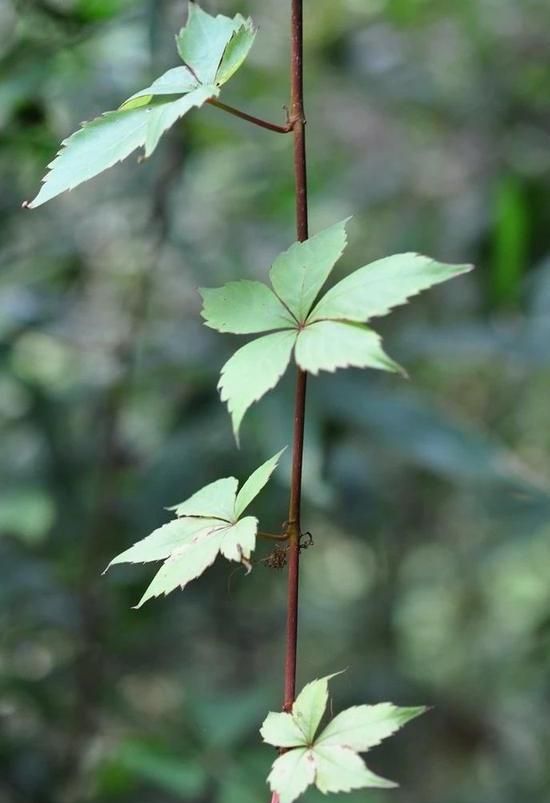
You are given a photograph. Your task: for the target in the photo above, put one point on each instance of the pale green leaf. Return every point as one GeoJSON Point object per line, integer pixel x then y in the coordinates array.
{"type": "Point", "coordinates": [298, 274]}
{"type": "Point", "coordinates": [239, 540]}
{"type": "Point", "coordinates": [376, 288]}
{"type": "Point", "coordinates": [244, 307]}
{"type": "Point", "coordinates": [291, 774]}
{"type": "Point", "coordinates": [281, 730]}
{"type": "Point", "coordinates": [255, 483]}
{"type": "Point", "coordinates": [364, 726]}
{"type": "Point", "coordinates": [98, 145]}
{"type": "Point", "coordinates": [147, 114]}
{"type": "Point", "coordinates": [177, 81]}
{"type": "Point", "coordinates": [237, 49]}
{"type": "Point", "coordinates": [339, 769]}
{"type": "Point", "coordinates": [163, 116]}
{"type": "Point", "coordinates": [185, 565]}
{"type": "Point", "coordinates": [309, 706]}
{"type": "Point", "coordinates": [112, 137]}
{"type": "Point", "coordinates": [162, 542]}
{"type": "Point", "coordinates": [234, 541]}
{"type": "Point", "coordinates": [328, 345]}
{"type": "Point", "coordinates": [215, 500]}
{"type": "Point", "coordinates": [331, 760]}
{"type": "Point", "coordinates": [201, 43]}
{"type": "Point", "coordinates": [252, 371]}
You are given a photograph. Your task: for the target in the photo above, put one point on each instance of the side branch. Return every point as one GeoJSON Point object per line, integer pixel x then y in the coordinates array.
{"type": "Point", "coordinates": [273, 536]}
{"type": "Point", "coordinates": [278, 129]}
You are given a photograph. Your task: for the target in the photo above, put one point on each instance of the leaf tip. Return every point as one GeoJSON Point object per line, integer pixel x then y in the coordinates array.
{"type": "Point", "coordinates": [140, 604]}
{"type": "Point", "coordinates": [398, 369]}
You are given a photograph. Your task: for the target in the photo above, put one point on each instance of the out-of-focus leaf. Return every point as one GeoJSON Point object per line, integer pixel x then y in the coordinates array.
{"type": "Point", "coordinates": [175, 774]}
{"type": "Point", "coordinates": [27, 514]}
{"type": "Point", "coordinates": [511, 240]}
{"type": "Point", "coordinates": [418, 430]}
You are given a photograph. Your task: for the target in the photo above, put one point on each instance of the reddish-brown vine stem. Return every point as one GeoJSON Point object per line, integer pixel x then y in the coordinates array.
{"type": "Point", "coordinates": [294, 514]}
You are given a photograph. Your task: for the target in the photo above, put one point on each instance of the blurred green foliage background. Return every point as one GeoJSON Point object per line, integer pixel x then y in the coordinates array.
{"type": "Point", "coordinates": [428, 500]}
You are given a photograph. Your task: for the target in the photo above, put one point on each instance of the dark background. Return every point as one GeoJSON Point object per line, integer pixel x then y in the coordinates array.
{"type": "Point", "coordinates": [429, 500]}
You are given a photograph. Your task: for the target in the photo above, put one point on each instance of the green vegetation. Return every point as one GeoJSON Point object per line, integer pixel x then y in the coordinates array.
{"type": "Point", "coordinates": [428, 503]}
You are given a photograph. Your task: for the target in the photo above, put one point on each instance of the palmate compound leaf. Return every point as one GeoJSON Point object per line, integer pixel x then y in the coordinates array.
{"type": "Point", "coordinates": [209, 523]}
{"type": "Point", "coordinates": [213, 49]}
{"type": "Point", "coordinates": [332, 335]}
{"type": "Point", "coordinates": [329, 760]}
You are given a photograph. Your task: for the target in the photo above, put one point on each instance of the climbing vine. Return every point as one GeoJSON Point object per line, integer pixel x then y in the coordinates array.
{"type": "Point", "coordinates": [299, 322]}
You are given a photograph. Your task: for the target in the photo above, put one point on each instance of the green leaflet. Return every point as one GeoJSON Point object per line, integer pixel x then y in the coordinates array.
{"type": "Point", "coordinates": [339, 769]}
{"type": "Point", "coordinates": [165, 540]}
{"type": "Point", "coordinates": [163, 116]}
{"type": "Point", "coordinates": [244, 308]}
{"type": "Point", "coordinates": [377, 288]}
{"type": "Point", "coordinates": [297, 275]}
{"type": "Point", "coordinates": [330, 760]}
{"type": "Point", "coordinates": [176, 81]}
{"type": "Point", "coordinates": [255, 483]}
{"type": "Point", "coordinates": [185, 564]}
{"type": "Point", "coordinates": [96, 146]}
{"type": "Point", "coordinates": [291, 774]}
{"type": "Point", "coordinates": [236, 50]}
{"type": "Point", "coordinates": [282, 730]}
{"type": "Point", "coordinates": [332, 335]}
{"type": "Point", "coordinates": [216, 499]}
{"type": "Point", "coordinates": [309, 706]}
{"type": "Point", "coordinates": [328, 345]}
{"type": "Point", "coordinates": [201, 43]}
{"type": "Point", "coordinates": [209, 523]}
{"type": "Point", "coordinates": [213, 48]}
{"type": "Point", "coordinates": [364, 726]}
{"type": "Point", "coordinates": [239, 540]}
{"type": "Point", "coordinates": [252, 371]}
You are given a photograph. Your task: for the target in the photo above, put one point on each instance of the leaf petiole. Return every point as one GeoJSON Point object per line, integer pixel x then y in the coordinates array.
{"type": "Point", "coordinates": [279, 129]}
{"type": "Point", "coordinates": [274, 536]}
